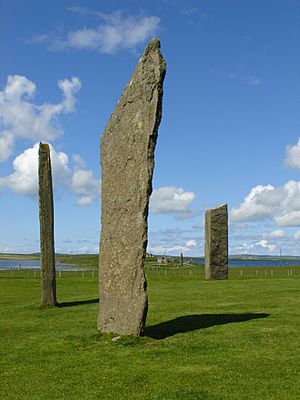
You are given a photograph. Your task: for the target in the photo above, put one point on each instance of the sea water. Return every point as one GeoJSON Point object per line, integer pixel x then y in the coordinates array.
{"type": "Point", "coordinates": [32, 264]}
{"type": "Point", "coordinates": [255, 263]}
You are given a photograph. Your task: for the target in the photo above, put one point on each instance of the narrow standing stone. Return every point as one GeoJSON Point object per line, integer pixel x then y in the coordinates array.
{"type": "Point", "coordinates": [46, 227]}
{"type": "Point", "coordinates": [216, 243]}
{"type": "Point", "coordinates": [127, 161]}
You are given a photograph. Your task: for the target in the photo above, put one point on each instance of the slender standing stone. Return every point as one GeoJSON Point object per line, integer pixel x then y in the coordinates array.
{"type": "Point", "coordinates": [127, 161]}
{"type": "Point", "coordinates": [216, 243]}
{"type": "Point", "coordinates": [46, 227]}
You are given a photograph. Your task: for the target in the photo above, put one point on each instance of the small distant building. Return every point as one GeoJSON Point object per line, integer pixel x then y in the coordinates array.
{"type": "Point", "coordinates": [164, 260]}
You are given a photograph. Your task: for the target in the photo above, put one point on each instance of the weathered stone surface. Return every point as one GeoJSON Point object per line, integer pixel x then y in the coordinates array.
{"type": "Point", "coordinates": [127, 161]}
{"type": "Point", "coordinates": [216, 243]}
{"type": "Point", "coordinates": [46, 227]}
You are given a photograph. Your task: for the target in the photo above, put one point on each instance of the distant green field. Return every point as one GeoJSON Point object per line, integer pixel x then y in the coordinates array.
{"type": "Point", "coordinates": [235, 339]}
{"type": "Point", "coordinates": [4, 256]}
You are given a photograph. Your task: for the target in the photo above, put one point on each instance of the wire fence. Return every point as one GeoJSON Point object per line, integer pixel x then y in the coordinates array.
{"type": "Point", "coordinates": [29, 273]}
{"type": "Point", "coordinates": [160, 272]}
{"type": "Point", "coordinates": [233, 273]}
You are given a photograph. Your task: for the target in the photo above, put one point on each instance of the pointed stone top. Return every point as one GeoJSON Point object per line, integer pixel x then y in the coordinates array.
{"type": "Point", "coordinates": [44, 148]}
{"type": "Point", "coordinates": [153, 44]}
{"type": "Point", "coordinates": [45, 145]}
{"type": "Point", "coordinates": [153, 48]}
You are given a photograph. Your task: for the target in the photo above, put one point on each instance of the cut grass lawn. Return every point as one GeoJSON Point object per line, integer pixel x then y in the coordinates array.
{"type": "Point", "coordinates": [236, 339]}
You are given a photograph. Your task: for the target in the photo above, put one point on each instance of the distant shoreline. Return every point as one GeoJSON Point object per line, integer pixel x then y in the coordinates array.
{"type": "Point", "coordinates": [4, 256]}
{"type": "Point", "coordinates": [249, 257]}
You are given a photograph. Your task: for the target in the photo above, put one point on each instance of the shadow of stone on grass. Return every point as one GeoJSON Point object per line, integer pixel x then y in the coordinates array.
{"type": "Point", "coordinates": [190, 323]}
{"type": "Point", "coordinates": [77, 303]}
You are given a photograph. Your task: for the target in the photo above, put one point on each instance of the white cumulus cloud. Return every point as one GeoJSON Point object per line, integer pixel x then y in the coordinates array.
{"type": "Point", "coordinates": [21, 117]}
{"type": "Point", "coordinates": [288, 218]}
{"type": "Point", "coordinates": [24, 178]}
{"type": "Point", "coordinates": [172, 200]}
{"type": "Point", "coordinates": [175, 249]}
{"type": "Point", "coordinates": [277, 233]}
{"type": "Point", "coordinates": [7, 141]}
{"type": "Point", "coordinates": [115, 32]}
{"type": "Point", "coordinates": [84, 183]}
{"type": "Point", "coordinates": [266, 245]}
{"type": "Point", "coordinates": [297, 235]}
{"type": "Point", "coordinates": [78, 160]}
{"type": "Point", "coordinates": [292, 155]}
{"type": "Point", "coordinates": [254, 205]}
{"type": "Point", "coordinates": [191, 243]}
{"type": "Point", "coordinates": [282, 204]}
{"type": "Point", "coordinates": [262, 246]}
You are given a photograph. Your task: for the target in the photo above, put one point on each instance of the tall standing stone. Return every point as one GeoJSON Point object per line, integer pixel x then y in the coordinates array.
{"type": "Point", "coordinates": [216, 243]}
{"type": "Point", "coordinates": [127, 161]}
{"type": "Point", "coordinates": [46, 227]}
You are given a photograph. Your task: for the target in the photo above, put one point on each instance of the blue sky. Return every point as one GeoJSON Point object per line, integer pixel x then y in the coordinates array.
{"type": "Point", "coordinates": [229, 133]}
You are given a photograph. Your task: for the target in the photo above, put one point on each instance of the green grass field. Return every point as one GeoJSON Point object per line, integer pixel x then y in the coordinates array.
{"type": "Point", "coordinates": [235, 339]}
